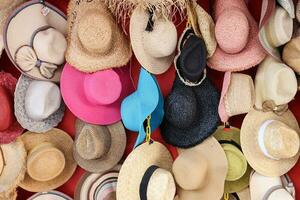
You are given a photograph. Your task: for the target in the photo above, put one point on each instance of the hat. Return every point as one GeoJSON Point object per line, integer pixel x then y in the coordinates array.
{"type": "Point", "coordinates": [271, 188]}
{"type": "Point", "coordinates": [10, 129]}
{"type": "Point", "coordinates": [146, 174]}
{"type": "Point", "coordinates": [200, 171]}
{"type": "Point", "coordinates": [145, 101]}
{"type": "Point", "coordinates": [90, 21]}
{"type": "Point", "coordinates": [147, 34]}
{"type": "Point", "coordinates": [236, 33]}
{"type": "Point", "coordinates": [95, 98]}
{"type": "Point", "coordinates": [291, 52]}
{"type": "Point", "coordinates": [191, 114]}
{"type": "Point", "coordinates": [237, 95]}
{"type": "Point", "coordinates": [261, 133]}
{"type": "Point", "coordinates": [53, 148]}
{"type": "Point", "coordinates": [275, 86]}
{"type": "Point", "coordinates": [34, 39]}
{"type": "Point", "coordinates": [94, 186]}
{"type": "Point", "coordinates": [51, 195]}
{"type": "Point", "coordinates": [98, 148]}
{"type": "Point", "coordinates": [38, 104]}
{"type": "Point", "coordinates": [238, 173]}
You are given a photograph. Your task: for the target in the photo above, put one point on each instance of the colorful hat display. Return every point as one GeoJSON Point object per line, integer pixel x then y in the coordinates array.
{"type": "Point", "coordinates": [145, 101]}
{"type": "Point", "coordinates": [51, 195]}
{"type": "Point", "coordinates": [34, 39]}
{"type": "Point", "coordinates": [290, 54]}
{"type": "Point", "coordinates": [90, 21]}
{"type": "Point", "coordinates": [96, 98]}
{"type": "Point", "coordinates": [200, 171]}
{"type": "Point", "coordinates": [98, 148]}
{"type": "Point", "coordinates": [237, 96]}
{"type": "Point", "coordinates": [236, 33]}
{"type": "Point", "coordinates": [261, 133]}
{"type": "Point", "coordinates": [38, 104]}
{"type": "Point", "coordinates": [146, 174]}
{"type": "Point", "coordinates": [50, 160]}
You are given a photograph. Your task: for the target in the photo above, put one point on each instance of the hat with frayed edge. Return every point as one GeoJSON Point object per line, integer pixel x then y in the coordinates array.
{"type": "Point", "coordinates": [291, 52]}
{"type": "Point", "coordinates": [51, 195]}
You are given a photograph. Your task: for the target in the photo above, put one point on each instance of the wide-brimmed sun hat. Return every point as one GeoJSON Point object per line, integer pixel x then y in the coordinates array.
{"type": "Point", "coordinates": [237, 37]}
{"type": "Point", "coordinates": [51, 195]}
{"type": "Point", "coordinates": [50, 161]}
{"type": "Point", "coordinates": [98, 148]}
{"type": "Point", "coordinates": [90, 21]}
{"type": "Point", "coordinates": [34, 39]}
{"type": "Point", "coordinates": [290, 54]}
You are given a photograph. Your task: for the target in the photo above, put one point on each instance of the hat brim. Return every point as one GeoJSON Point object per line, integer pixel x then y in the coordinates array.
{"type": "Point", "coordinates": [50, 195]}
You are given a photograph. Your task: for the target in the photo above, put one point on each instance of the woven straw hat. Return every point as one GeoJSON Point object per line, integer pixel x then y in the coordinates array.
{"type": "Point", "coordinates": [291, 52]}
{"type": "Point", "coordinates": [51, 195]}
{"type": "Point", "coordinates": [95, 42]}
{"type": "Point", "coordinates": [261, 133]}
{"type": "Point", "coordinates": [145, 174]}
{"type": "Point", "coordinates": [98, 148]}
{"type": "Point", "coordinates": [53, 148]}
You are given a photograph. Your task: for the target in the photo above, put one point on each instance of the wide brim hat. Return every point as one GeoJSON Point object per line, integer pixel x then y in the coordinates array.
{"type": "Point", "coordinates": [252, 53]}
{"type": "Point", "coordinates": [20, 29]}
{"type": "Point", "coordinates": [255, 157]}
{"type": "Point", "coordinates": [51, 195]}
{"type": "Point", "coordinates": [60, 140]}
{"type": "Point", "coordinates": [115, 50]}
{"type": "Point", "coordinates": [26, 122]}
{"type": "Point", "coordinates": [117, 136]}
{"type": "Point", "coordinates": [10, 134]}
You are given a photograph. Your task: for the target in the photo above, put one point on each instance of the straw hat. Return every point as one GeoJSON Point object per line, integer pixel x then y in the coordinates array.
{"type": "Point", "coordinates": [34, 39]}
{"type": "Point", "coordinates": [291, 52]}
{"type": "Point", "coordinates": [145, 174]}
{"type": "Point", "coordinates": [200, 171]}
{"type": "Point", "coordinates": [236, 34]}
{"type": "Point", "coordinates": [147, 33]}
{"type": "Point", "coordinates": [51, 195]}
{"type": "Point", "coordinates": [38, 104]}
{"type": "Point", "coordinates": [261, 133]}
{"type": "Point", "coordinates": [275, 86]}
{"type": "Point", "coordinates": [90, 21]}
{"type": "Point", "coordinates": [146, 100]}
{"type": "Point", "coordinates": [98, 148]}
{"type": "Point", "coordinates": [53, 148]}
{"type": "Point", "coordinates": [237, 95]}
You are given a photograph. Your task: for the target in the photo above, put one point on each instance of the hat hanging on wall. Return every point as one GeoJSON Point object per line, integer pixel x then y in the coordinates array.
{"type": "Point", "coordinates": [290, 54]}
{"type": "Point", "coordinates": [34, 39]}
{"type": "Point", "coordinates": [51, 195]}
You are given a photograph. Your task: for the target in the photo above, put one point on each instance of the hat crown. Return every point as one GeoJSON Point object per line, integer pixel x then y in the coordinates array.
{"type": "Point", "coordinates": [6, 108]}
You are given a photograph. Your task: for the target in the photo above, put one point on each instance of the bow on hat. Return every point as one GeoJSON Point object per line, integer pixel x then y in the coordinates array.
{"type": "Point", "coordinates": [270, 105]}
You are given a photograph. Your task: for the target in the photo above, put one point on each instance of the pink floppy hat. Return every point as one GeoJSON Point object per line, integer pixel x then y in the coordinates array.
{"type": "Point", "coordinates": [237, 37]}
{"type": "Point", "coordinates": [95, 98]}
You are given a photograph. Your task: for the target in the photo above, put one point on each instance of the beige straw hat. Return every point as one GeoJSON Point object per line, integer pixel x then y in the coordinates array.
{"type": "Point", "coordinates": [50, 161]}
{"type": "Point", "coordinates": [291, 54]}
{"type": "Point", "coordinates": [145, 174]}
{"type": "Point", "coordinates": [261, 134]}
{"type": "Point", "coordinates": [98, 148]}
{"type": "Point", "coordinates": [95, 42]}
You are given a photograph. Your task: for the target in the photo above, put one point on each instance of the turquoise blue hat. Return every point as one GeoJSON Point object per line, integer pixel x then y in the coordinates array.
{"type": "Point", "coordinates": [146, 100]}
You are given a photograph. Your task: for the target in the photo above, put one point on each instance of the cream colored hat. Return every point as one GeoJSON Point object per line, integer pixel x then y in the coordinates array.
{"type": "Point", "coordinates": [200, 171]}
{"type": "Point", "coordinates": [275, 86]}
{"type": "Point", "coordinates": [261, 133]}
{"type": "Point", "coordinates": [145, 174]}
{"type": "Point", "coordinates": [147, 34]}
{"type": "Point", "coordinates": [50, 161]}
{"type": "Point", "coordinates": [291, 54]}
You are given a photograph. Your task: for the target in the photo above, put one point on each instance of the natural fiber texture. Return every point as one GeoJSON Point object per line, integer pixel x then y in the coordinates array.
{"type": "Point", "coordinates": [21, 115]}
{"type": "Point", "coordinates": [291, 54]}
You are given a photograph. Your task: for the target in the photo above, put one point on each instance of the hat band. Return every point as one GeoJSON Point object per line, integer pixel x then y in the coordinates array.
{"type": "Point", "coordinates": [231, 142]}
{"type": "Point", "coordinates": [271, 190]}
{"type": "Point", "coordinates": [145, 181]}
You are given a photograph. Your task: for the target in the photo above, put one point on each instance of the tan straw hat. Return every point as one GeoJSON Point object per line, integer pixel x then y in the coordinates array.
{"type": "Point", "coordinates": [50, 161]}
{"type": "Point", "coordinates": [98, 148]}
{"type": "Point", "coordinates": [200, 171]}
{"type": "Point", "coordinates": [145, 174]}
{"type": "Point", "coordinates": [95, 42]}
{"type": "Point", "coordinates": [261, 134]}
{"type": "Point", "coordinates": [291, 54]}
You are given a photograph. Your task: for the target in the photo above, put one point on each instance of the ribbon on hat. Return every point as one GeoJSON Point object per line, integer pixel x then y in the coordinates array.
{"type": "Point", "coordinates": [270, 105]}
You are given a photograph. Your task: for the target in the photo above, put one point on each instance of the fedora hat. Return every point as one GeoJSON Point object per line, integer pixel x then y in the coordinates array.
{"type": "Point", "coordinates": [90, 21]}
{"type": "Point", "coordinates": [238, 173]}
{"type": "Point", "coordinates": [51, 195]}
{"type": "Point", "coordinates": [146, 174]}
{"type": "Point", "coordinates": [236, 34]}
{"type": "Point", "coordinates": [200, 171]}
{"type": "Point", "coordinates": [237, 96]}
{"type": "Point", "coordinates": [145, 101]}
{"type": "Point", "coordinates": [261, 133]}
{"type": "Point", "coordinates": [98, 148]}
{"type": "Point", "coordinates": [96, 97]}
{"type": "Point", "coordinates": [34, 39]}
{"type": "Point", "coordinates": [53, 148]}
{"type": "Point", "coordinates": [291, 53]}
{"type": "Point", "coordinates": [147, 33]}
{"type": "Point", "coordinates": [38, 104]}
{"type": "Point", "coordinates": [275, 86]}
